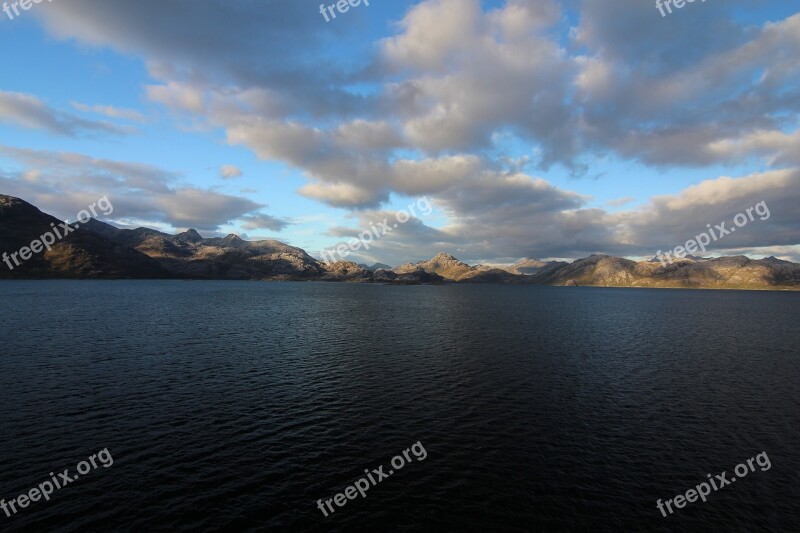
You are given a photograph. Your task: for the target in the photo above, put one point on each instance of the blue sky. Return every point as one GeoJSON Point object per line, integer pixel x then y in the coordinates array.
{"type": "Point", "coordinates": [537, 128]}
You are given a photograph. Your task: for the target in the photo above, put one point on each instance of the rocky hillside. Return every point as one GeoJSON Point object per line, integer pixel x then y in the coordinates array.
{"type": "Point", "coordinates": [532, 266]}
{"type": "Point", "coordinates": [737, 272]}
{"type": "Point", "coordinates": [189, 255]}
{"type": "Point", "coordinates": [451, 269]}
{"type": "Point", "coordinates": [375, 267]}
{"type": "Point", "coordinates": [80, 254]}
{"type": "Point", "coordinates": [99, 250]}
{"type": "Point", "coordinates": [606, 271]}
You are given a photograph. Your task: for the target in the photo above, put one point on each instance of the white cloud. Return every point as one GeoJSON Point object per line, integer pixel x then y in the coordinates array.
{"type": "Point", "coordinates": [456, 83]}
{"type": "Point", "coordinates": [229, 172]}
{"type": "Point", "coordinates": [110, 111]}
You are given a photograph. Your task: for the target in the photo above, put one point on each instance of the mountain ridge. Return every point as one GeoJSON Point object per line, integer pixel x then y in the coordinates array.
{"type": "Point", "coordinates": [97, 250]}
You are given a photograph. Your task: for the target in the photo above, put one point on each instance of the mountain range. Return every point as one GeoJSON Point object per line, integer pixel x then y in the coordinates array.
{"type": "Point", "coordinates": [96, 250]}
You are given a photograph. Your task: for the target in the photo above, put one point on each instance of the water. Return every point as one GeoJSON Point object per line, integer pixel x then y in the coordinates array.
{"type": "Point", "coordinates": [238, 405]}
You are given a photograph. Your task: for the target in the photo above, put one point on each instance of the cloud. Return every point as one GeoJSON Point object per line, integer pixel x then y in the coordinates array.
{"type": "Point", "coordinates": [671, 220]}
{"type": "Point", "coordinates": [343, 194]}
{"type": "Point", "coordinates": [262, 221]}
{"type": "Point", "coordinates": [87, 172]}
{"type": "Point", "coordinates": [471, 74]}
{"type": "Point", "coordinates": [438, 105]}
{"type": "Point", "coordinates": [455, 74]}
{"type": "Point", "coordinates": [110, 111]}
{"type": "Point", "coordinates": [202, 209]}
{"type": "Point", "coordinates": [651, 90]}
{"type": "Point", "coordinates": [411, 240]}
{"type": "Point", "coordinates": [775, 147]}
{"type": "Point", "coordinates": [506, 216]}
{"type": "Point", "coordinates": [223, 41]}
{"type": "Point", "coordinates": [27, 111]}
{"type": "Point", "coordinates": [621, 201]}
{"type": "Point", "coordinates": [229, 172]}
{"type": "Point", "coordinates": [63, 183]}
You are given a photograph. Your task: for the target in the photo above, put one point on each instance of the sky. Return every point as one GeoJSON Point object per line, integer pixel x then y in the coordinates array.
{"type": "Point", "coordinates": [535, 128]}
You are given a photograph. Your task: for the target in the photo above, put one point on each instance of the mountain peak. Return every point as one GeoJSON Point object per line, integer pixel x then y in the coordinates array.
{"type": "Point", "coordinates": [6, 200]}
{"type": "Point", "coordinates": [190, 235]}
{"type": "Point", "coordinates": [13, 205]}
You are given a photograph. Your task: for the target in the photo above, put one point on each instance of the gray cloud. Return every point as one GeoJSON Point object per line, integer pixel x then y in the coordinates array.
{"type": "Point", "coordinates": [529, 217]}
{"type": "Point", "coordinates": [669, 221]}
{"type": "Point", "coordinates": [229, 172]}
{"type": "Point", "coordinates": [658, 91]}
{"type": "Point", "coordinates": [621, 201]}
{"type": "Point", "coordinates": [454, 80]}
{"type": "Point", "coordinates": [263, 44]}
{"type": "Point", "coordinates": [63, 183]}
{"type": "Point", "coordinates": [28, 111]}
{"type": "Point", "coordinates": [110, 111]}
{"type": "Point", "coordinates": [262, 221]}
{"type": "Point", "coordinates": [466, 74]}
{"type": "Point", "coordinates": [456, 75]}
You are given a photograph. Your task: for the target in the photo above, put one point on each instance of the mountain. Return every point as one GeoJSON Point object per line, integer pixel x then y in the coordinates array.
{"type": "Point", "coordinates": [81, 253]}
{"type": "Point", "coordinates": [189, 236]}
{"type": "Point", "coordinates": [345, 271]}
{"type": "Point", "coordinates": [533, 266]}
{"type": "Point", "coordinates": [738, 272]}
{"type": "Point", "coordinates": [375, 267]}
{"type": "Point", "coordinates": [688, 257]}
{"type": "Point", "coordinates": [101, 251]}
{"type": "Point", "coordinates": [599, 270]}
{"type": "Point", "coordinates": [412, 276]}
{"type": "Point", "coordinates": [451, 269]}
{"type": "Point", "coordinates": [189, 255]}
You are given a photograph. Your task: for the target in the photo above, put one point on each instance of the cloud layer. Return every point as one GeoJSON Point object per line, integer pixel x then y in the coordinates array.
{"type": "Point", "coordinates": [434, 107]}
{"type": "Point", "coordinates": [138, 192]}
{"type": "Point", "coordinates": [28, 111]}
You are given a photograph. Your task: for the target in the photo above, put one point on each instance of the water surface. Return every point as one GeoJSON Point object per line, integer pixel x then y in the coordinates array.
{"type": "Point", "coordinates": [239, 404]}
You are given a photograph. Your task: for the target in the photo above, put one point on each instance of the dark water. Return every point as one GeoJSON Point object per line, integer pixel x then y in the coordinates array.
{"type": "Point", "coordinates": [239, 405]}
